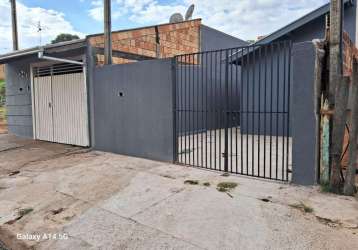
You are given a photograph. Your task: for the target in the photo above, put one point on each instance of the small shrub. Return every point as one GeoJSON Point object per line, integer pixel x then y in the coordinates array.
{"type": "Point", "coordinates": [206, 184]}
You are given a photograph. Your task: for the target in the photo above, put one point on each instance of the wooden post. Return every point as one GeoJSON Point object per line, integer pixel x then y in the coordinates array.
{"type": "Point", "coordinates": [334, 89]}
{"type": "Point", "coordinates": [349, 186]}
{"type": "Point", "coordinates": [319, 64]}
{"type": "Point", "coordinates": [107, 32]}
{"type": "Point", "coordinates": [339, 122]}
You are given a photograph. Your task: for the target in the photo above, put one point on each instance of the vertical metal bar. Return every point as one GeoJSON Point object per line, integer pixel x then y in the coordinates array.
{"type": "Point", "coordinates": [174, 96]}
{"type": "Point", "coordinates": [202, 110]}
{"type": "Point", "coordinates": [206, 109]}
{"type": "Point", "coordinates": [237, 114]}
{"type": "Point", "coordinates": [253, 111]}
{"type": "Point", "coordinates": [216, 95]}
{"type": "Point", "coordinates": [180, 67]}
{"type": "Point", "coordinates": [247, 107]}
{"type": "Point", "coordinates": [226, 112]}
{"type": "Point", "coordinates": [265, 109]}
{"type": "Point", "coordinates": [231, 110]}
{"type": "Point", "coordinates": [288, 108]}
{"type": "Point", "coordinates": [185, 108]}
{"type": "Point", "coordinates": [220, 108]}
{"type": "Point", "coordinates": [197, 129]}
{"type": "Point", "coordinates": [283, 109]}
{"type": "Point", "coordinates": [271, 105]}
{"type": "Point", "coordinates": [277, 102]}
{"type": "Point", "coordinates": [212, 107]}
{"type": "Point", "coordinates": [242, 110]}
{"type": "Point", "coordinates": [193, 107]}
{"type": "Point", "coordinates": [259, 116]}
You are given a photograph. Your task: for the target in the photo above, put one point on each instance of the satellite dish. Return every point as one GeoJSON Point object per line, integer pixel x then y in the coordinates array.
{"type": "Point", "coordinates": [189, 12]}
{"type": "Point", "coordinates": [176, 18]}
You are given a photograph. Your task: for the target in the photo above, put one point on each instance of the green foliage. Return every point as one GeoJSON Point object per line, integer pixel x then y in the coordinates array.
{"type": "Point", "coordinates": [63, 37]}
{"type": "Point", "coordinates": [2, 92]}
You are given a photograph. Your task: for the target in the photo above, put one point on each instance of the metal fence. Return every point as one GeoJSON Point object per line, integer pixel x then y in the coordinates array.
{"type": "Point", "coordinates": [232, 110]}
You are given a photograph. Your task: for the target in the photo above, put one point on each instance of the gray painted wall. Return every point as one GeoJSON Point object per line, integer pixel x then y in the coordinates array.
{"type": "Point", "coordinates": [212, 39]}
{"type": "Point", "coordinates": [18, 97]}
{"type": "Point", "coordinates": [303, 116]}
{"type": "Point", "coordinates": [139, 123]}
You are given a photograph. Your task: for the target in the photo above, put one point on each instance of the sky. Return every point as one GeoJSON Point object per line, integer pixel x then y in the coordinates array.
{"type": "Point", "coordinates": [245, 19]}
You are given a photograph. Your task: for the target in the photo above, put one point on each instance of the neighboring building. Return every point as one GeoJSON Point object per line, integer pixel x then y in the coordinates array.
{"type": "Point", "coordinates": [305, 29]}
{"type": "Point", "coordinates": [53, 101]}
{"type": "Point", "coordinates": [312, 25]}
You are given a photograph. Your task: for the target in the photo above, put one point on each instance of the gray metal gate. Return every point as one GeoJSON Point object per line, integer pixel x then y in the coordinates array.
{"type": "Point", "coordinates": [232, 110]}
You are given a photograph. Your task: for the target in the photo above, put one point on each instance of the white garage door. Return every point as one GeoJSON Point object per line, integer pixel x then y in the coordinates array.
{"type": "Point", "coordinates": [60, 101]}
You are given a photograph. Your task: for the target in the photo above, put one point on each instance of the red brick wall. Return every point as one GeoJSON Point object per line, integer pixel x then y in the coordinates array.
{"type": "Point", "coordinates": [175, 39]}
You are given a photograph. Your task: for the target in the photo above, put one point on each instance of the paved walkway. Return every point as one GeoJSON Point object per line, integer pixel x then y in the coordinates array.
{"type": "Point", "coordinates": [93, 200]}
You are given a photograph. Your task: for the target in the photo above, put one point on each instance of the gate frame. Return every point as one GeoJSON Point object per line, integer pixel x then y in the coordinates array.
{"type": "Point", "coordinates": [287, 134]}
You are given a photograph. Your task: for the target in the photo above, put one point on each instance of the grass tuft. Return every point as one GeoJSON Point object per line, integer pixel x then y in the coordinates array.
{"type": "Point", "coordinates": [206, 184]}
{"type": "Point", "coordinates": [191, 182]}
{"type": "Point", "coordinates": [303, 207]}
{"type": "Point", "coordinates": [24, 211]}
{"type": "Point", "coordinates": [226, 186]}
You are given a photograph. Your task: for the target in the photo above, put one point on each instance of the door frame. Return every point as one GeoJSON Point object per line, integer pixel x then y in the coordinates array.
{"type": "Point", "coordinates": [33, 108]}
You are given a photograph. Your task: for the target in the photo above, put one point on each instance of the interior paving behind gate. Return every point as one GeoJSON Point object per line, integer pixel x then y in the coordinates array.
{"type": "Point", "coordinates": [109, 201]}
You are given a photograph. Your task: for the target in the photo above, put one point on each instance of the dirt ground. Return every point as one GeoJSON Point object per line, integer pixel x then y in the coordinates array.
{"type": "Point", "coordinates": [55, 196]}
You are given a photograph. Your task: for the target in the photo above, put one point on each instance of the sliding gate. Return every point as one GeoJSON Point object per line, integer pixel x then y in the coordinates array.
{"type": "Point", "coordinates": [232, 110]}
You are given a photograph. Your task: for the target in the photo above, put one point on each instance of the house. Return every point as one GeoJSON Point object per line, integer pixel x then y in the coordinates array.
{"type": "Point", "coordinates": [51, 89]}
{"type": "Point", "coordinates": [313, 25]}
{"type": "Point", "coordinates": [305, 29]}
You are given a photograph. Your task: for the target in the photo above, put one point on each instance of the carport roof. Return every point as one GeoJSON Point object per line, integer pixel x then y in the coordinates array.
{"type": "Point", "coordinates": [50, 48]}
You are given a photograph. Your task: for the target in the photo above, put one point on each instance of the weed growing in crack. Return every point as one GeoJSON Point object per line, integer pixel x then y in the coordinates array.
{"type": "Point", "coordinates": [303, 207]}
{"type": "Point", "coordinates": [191, 182]}
{"type": "Point", "coordinates": [226, 186]}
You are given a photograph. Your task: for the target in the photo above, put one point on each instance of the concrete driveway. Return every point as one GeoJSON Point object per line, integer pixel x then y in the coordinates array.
{"type": "Point", "coordinates": [55, 196]}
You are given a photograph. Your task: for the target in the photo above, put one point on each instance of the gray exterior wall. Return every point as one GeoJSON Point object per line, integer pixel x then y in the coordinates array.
{"type": "Point", "coordinates": [18, 97]}
{"type": "Point", "coordinates": [140, 122]}
{"type": "Point", "coordinates": [212, 39]}
{"type": "Point", "coordinates": [303, 115]}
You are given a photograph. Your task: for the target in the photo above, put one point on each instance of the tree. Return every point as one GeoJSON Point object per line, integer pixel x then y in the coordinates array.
{"type": "Point", "coordinates": [63, 37]}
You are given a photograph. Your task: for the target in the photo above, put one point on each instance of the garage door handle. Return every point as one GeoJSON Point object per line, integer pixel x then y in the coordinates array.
{"type": "Point", "coordinates": [49, 105]}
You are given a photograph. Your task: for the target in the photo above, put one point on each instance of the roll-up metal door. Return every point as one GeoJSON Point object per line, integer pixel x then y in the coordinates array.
{"type": "Point", "coordinates": [61, 104]}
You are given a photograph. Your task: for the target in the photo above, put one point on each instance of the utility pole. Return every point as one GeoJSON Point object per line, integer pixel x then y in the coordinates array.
{"type": "Point", "coordinates": [15, 43]}
{"type": "Point", "coordinates": [107, 32]}
{"type": "Point", "coordinates": [337, 123]}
